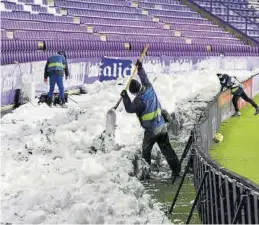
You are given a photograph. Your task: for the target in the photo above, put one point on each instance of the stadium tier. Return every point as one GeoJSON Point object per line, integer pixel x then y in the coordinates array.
{"type": "Point", "coordinates": [94, 28]}
{"type": "Point", "coordinates": [242, 14]}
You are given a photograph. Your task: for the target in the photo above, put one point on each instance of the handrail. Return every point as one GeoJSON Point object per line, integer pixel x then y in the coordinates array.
{"type": "Point", "coordinates": [209, 11]}
{"type": "Point", "coordinates": [228, 8]}
{"type": "Point", "coordinates": [236, 12]}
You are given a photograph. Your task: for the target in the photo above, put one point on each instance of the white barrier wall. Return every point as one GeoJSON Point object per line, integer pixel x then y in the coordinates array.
{"type": "Point", "coordinates": [30, 75]}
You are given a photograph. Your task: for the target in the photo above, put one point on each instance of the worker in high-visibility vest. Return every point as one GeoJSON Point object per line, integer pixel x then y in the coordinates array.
{"type": "Point", "coordinates": [55, 68]}
{"type": "Point", "coordinates": [237, 91]}
{"type": "Point", "coordinates": [149, 112]}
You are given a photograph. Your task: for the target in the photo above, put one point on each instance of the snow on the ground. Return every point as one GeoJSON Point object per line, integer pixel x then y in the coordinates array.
{"type": "Point", "coordinates": [49, 173]}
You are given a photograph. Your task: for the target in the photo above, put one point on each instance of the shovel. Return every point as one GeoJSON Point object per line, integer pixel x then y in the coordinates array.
{"type": "Point", "coordinates": [111, 114]}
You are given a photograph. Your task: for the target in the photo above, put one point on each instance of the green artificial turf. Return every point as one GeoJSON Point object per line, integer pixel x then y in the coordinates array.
{"type": "Point", "coordinates": [239, 152]}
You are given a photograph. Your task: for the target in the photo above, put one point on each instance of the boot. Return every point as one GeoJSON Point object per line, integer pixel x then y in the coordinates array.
{"type": "Point", "coordinates": [176, 171]}
{"type": "Point", "coordinates": [49, 101]}
{"type": "Point", "coordinates": [63, 103]}
{"type": "Point", "coordinates": [175, 176]}
{"type": "Point", "coordinates": [236, 114]}
{"type": "Point", "coordinates": [256, 111]}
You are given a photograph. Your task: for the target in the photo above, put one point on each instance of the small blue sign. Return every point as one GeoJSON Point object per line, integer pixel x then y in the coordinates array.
{"type": "Point", "coordinates": [112, 69]}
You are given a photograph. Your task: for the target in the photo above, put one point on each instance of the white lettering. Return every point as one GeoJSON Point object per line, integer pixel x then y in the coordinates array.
{"type": "Point", "coordinates": [107, 71]}
{"type": "Point", "coordinates": [114, 69]}
{"type": "Point", "coordinates": [120, 70]}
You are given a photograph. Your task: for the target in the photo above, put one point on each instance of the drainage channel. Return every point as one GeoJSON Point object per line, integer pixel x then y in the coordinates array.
{"type": "Point", "coordinates": [163, 191]}
{"type": "Point", "coordinates": [158, 189]}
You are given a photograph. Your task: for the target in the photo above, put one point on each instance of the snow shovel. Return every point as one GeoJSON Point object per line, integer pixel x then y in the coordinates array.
{"type": "Point", "coordinates": [111, 115]}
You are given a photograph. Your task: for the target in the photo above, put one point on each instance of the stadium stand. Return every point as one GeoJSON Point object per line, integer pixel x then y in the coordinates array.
{"type": "Point", "coordinates": [242, 14]}
{"type": "Point", "coordinates": [95, 28]}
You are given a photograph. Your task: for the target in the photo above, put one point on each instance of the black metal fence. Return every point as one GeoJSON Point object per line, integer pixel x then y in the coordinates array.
{"type": "Point", "coordinates": [224, 197]}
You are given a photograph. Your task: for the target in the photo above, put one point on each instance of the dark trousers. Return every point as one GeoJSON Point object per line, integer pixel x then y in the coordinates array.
{"type": "Point", "coordinates": [162, 139]}
{"type": "Point", "coordinates": [243, 95]}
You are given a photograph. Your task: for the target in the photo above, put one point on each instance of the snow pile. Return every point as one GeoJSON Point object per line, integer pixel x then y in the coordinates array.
{"type": "Point", "coordinates": [51, 172]}
{"type": "Point", "coordinates": [49, 176]}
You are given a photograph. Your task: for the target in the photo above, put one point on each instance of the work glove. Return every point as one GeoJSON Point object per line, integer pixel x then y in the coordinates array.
{"type": "Point", "coordinates": [139, 64]}
{"type": "Point", "coordinates": [46, 80]}
{"type": "Point", "coordinates": [124, 94]}
{"type": "Point", "coordinates": [166, 116]}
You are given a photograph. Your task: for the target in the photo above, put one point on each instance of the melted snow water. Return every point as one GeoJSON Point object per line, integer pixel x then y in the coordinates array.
{"type": "Point", "coordinates": [162, 191]}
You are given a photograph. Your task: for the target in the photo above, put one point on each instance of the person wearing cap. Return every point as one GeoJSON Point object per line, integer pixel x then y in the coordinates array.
{"type": "Point", "coordinates": [148, 110]}
{"type": "Point", "coordinates": [237, 91]}
{"type": "Point", "coordinates": [55, 68]}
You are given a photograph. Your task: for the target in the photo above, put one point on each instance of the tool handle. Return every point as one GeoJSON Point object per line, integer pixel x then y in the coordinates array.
{"type": "Point", "coordinates": [133, 73]}
{"type": "Point", "coordinates": [118, 103]}
{"type": "Point", "coordinates": [136, 68]}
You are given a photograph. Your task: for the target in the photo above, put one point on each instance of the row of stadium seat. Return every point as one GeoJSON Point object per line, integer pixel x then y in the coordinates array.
{"type": "Point", "coordinates": [29, 45]}
{"type": "Point", "coordinates": [23, 57]}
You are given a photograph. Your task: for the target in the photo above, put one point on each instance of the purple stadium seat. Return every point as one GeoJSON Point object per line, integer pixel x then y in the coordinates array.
{"type": "Point", "coordinates": [237, 13]}
{"type": "Point", "coordinates": [32, 25]}
{"type": "Point", "coordinates": [95, 6]}
{"type": "Point", "coordinates": [121, 23]}
{"type": "Point", "coordinates": [19, 45]}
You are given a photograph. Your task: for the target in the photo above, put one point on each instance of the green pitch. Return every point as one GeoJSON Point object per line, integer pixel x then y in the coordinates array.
{"type": "Point", "coordinates": [239, 152]}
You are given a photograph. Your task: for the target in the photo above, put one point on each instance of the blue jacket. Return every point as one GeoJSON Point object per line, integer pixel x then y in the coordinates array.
{"type": "Point", "coordinates": [145, 105]}
{"type": "Point", "coordinates": [231, 83]}
{"type": "Point", "coordinates": [56, 63]}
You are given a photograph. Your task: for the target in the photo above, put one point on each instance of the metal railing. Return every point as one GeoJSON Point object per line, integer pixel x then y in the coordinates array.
{"type": "Point", "coordinates": [234, 11]}
{"type": "Point", "coordinates": [224, 197]}
{"type": "Point", "coordinates": [248, 23]}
